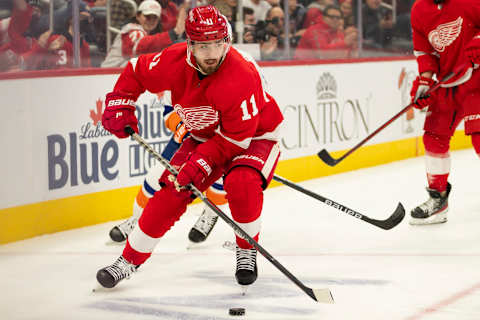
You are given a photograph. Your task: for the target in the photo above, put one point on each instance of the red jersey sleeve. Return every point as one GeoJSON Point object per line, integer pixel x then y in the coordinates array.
{"type": "Point", "coordinates": [147, 72]}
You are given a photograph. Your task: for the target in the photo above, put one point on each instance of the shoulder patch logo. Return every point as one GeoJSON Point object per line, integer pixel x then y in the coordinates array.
{"type": "Point", "coordinates": [155, 61]}
{"type": "Point", "coordinates": [197, 118]}
{"type": "Point", "coordinates": [443, 35]}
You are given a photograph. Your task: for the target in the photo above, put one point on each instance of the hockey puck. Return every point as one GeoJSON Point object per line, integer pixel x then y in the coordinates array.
{"type": "Point", "coordinates": [236, 311]}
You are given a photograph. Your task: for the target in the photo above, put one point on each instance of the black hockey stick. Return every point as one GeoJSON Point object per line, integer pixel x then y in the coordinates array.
{"type": "Point", "coordinates": [320, 295]}
{"type": "Point", "coordinates": [387, 224]}
{"type": "Point", "coordinates": [328, 159]}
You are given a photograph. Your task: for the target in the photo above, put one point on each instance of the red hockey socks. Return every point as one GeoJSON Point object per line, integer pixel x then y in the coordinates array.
{"type": "Point", "coordinates": [437, 160]}
{"type": "Point", "coordinates": [161, 212]}
{"type": "Point", "coordinates": [245, 198]}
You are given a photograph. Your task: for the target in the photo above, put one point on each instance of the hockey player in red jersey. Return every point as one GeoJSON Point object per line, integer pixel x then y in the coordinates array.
{"type": "Point", "coordinates": [233, 124]}
{"type": "Point", "coordinates": [446, 38]}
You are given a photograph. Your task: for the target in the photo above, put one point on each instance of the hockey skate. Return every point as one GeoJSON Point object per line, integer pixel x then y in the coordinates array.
{"type": "Point", "coordinates": [203, 226]}
{"type": "Point", "coordinates": [110, 276]}
{"type": "Point", "coordinates": [432, 211]}
{"type": "Point", "coordinates": [246, 272]}
{"type": "Point", "coordinates": [120, 232]}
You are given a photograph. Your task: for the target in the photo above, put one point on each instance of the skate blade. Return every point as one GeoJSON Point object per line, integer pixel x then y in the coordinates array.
{"type": "Point", "coordinates": [98, 288]}
{"type": "Point", "coordinates": [198, 245]}
{"type": "Point", "coordinates": [193, 245]}
{"type": "Point", "coordinates": [435, 219]}
{"type": "Point", "coordinates": [114, 243]}
{"type": "Point", "coordinates": [243, 289]}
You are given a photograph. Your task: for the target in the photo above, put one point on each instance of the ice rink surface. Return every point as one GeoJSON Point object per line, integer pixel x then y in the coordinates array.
{"type": "Point", "coordinates": [409, 272]}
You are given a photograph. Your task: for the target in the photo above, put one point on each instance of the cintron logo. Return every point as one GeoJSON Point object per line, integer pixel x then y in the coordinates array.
{"type": "Point", "coordinates": [333, 117]}
{"type": "Point", "coordinates": [326, 87]}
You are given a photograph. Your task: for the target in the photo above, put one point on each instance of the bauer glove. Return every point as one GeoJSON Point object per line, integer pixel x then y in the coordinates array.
{"type": "Point", "coordinates": [420, 87]}
{"type": "Point", "coordinates": [195, 170]}
{"type": "Point", "coordinates": [119, 112]}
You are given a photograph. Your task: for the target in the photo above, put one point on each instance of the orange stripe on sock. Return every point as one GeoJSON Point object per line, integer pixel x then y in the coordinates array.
{"type": "Point", "coordinates": [141, 199]}
{"type": "Point", "coordinates": [216, 197]}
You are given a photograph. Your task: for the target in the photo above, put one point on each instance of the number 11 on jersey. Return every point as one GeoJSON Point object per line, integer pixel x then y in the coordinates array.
{"type": "Point", "coordinates": [246, 113]}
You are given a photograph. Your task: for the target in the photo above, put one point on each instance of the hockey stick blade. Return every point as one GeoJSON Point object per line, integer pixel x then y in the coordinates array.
{"type": "Point", "coordinates": [323, 295]}
{"type": "Point", "coordinates": [396, 217]}
{"type": "Point", "coordinates": [327, 158]}
{"type": "Point", "coordinates": [387, 224]}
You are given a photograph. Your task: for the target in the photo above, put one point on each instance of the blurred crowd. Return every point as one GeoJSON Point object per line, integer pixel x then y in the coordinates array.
{"type": "Point", "coordinates": [40, 34]}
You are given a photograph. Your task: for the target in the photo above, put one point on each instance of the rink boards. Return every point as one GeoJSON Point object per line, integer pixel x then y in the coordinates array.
{"type": "Point", "coordinates": [62, 170]}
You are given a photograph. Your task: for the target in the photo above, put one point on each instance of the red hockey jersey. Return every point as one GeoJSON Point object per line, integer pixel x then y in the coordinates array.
{"type": "Point", "coordinates": [228, 108]}
{"type": "Point", "coordinates": [441, 32]}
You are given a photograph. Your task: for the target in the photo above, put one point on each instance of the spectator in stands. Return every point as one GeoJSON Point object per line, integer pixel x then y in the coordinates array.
{"type": "Point", "coordinates": [22, 31]}
{"type": "Point", "coordinates": [297, 13]}
{"type": "Point", "coordinates": [377, 24]}
{"type": "Point", "coordinates": [121, 11]}
{"type": "Point", "coordinates": [403, 28]}
{"type": "Point", "coordinates": [314, 11]}
{"type": "Point", "coordinates": [248, 25]}
{"type": "Point", "coordinates": [234, 5]}
{"type": "Point", "coordinates": [136, 37]}
{"type": "Point", "coordinates": [227, 11]}
{"type": "Point", "coordinates": [260, 8]}
{"type": "Point", "coordinates": [224, 9]}
{"type": "Point", "coordinates": [347, 10]}
{"type": "Point", "coordinates": [270, 36]}
{"type": "Point", "coordinates": [55, 51]}
{"type": "Point", "coordinates": [327, 39]}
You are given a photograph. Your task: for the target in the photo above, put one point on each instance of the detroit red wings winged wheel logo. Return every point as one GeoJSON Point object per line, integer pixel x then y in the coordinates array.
{"type": "Point", "coordinates": [197, 118]}
{"type": "Point", "coordinates": [445, 34]}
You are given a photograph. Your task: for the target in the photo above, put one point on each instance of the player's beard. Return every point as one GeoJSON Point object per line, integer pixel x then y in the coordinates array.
{"type": "Point", "coordinates": [209, 66]}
